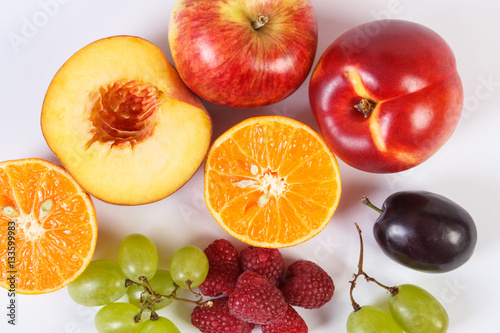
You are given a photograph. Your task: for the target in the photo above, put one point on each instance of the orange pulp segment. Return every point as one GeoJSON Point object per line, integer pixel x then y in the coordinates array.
{"type": "Point", "coordinates": [48, 228]}
{"type": "Point", "coordinates": [271, 181]}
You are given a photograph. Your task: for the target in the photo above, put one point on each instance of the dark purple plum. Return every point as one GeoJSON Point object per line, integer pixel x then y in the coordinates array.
{"type": "Point", "coordinates": [425, 231]}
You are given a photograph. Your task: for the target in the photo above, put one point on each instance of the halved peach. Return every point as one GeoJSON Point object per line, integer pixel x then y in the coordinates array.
{"type": "Point", "coordinates": [123, 123]}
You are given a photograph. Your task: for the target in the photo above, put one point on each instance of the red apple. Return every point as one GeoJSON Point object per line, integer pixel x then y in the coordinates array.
{"type": "Point", "coordinates": [243, 53]}
{"type": "Point", "coordinates": [386, 95]}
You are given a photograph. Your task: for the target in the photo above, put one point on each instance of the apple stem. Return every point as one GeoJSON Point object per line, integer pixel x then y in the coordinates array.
{"type": "Point", "coordinates": [260, 21]}
{"type": "Point", "coordinates": [369, 204]}
{"type": "Point", "coordinates": [365, 106]}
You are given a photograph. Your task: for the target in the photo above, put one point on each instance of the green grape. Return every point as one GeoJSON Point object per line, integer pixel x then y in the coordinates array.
{"type": "Point", "coordinates": [161, 283]}
{"type": "Point", "coordinates": [117, 318]}
{"type": "Point", "coordinates": [371, 319]}
{"type": "Point", "coordinates": [189, 263]}
{"type": "Point", "coordinates": [417, 311]}
{"type": "Point", "coordinates": [138, 256]}
{"type": "Point", "coordinates": [162, 325]}
{"type": "Point", "coordinates": [101, 283]}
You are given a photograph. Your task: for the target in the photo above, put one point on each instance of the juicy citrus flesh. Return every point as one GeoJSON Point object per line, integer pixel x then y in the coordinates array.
{"type": "Point", "coordinates": [271, 181]}
{"type": "Point", "coordinates": [48, 228]}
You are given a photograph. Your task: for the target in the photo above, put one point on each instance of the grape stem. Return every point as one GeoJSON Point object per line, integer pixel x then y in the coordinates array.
{"type": "Point", "coordinates": [392, 290]}
{"type": "Point", "coordinates": [154, 298]}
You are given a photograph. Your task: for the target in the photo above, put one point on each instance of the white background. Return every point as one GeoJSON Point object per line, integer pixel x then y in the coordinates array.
{"type": "Point", "coordinates": [466, 169]}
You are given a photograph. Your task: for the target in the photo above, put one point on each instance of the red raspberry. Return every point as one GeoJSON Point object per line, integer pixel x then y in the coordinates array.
{"type": "Point", "coordinates": [222, 251]}
{"type": "Point", "coordinates": [307, 285]}
{"type": "Point", "coordinates": [217, 319]}
{"type": "Point", "coordinates": [256, 300]}
{"type": "Point", "coordinates": [223, 269]}
{"type": "Point", "coordinates": [267, 262]}
{"type": "Point", "coordinates": [291, 322]}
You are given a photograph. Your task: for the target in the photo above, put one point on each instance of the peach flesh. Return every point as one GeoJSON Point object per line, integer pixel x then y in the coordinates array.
{"type": "Point", "coordinates": [122, 122]}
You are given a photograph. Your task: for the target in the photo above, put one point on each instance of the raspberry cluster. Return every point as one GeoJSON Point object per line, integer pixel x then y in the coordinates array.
{"type": "Point", "coordinates": [253, 288]}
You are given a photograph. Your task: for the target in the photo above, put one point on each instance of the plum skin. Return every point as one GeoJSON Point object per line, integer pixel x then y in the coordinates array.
{"type": "Point", "coordinates": [425, 231]}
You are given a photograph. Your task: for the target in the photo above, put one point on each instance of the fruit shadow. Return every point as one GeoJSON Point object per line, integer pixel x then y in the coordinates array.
{"type": "Point", "coordinates": [107, 245]}
{"type": "Point", "coordinates": [108, 239]}
{"type": "Point", "coordinates": [330, 27]}
{"type": "Point", "coordinates": [355, 185]}
{"type": "Point", "coordinates": [181, 311]}
{"type": "Point", "coordinates": [295, 106]}
{"type": "Point", "coordinates": [49, 156]}
{"type": "Point", "coordinates": [161, 41]}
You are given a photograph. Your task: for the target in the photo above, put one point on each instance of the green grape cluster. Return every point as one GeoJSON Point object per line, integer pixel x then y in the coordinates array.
{"type": "Point", "coordinates": [148, 288]}
{"type": "Point", "coordinates": [411, 309]}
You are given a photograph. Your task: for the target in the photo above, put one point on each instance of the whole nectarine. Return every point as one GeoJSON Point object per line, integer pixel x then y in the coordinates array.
{"type": "Point", "coordinates": [386, 95]}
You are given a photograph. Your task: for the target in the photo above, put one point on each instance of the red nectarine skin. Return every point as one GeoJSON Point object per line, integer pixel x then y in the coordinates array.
{"type": "Point", "coordinates": [408, 74]}
{"type": "Point", "coordinates": [224, 59]}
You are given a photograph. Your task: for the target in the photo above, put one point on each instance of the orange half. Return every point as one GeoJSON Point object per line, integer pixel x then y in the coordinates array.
{"type": "Point", "coordinates": [271, 181]}
{"type": "Point", "coordinates": [48, 228]}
